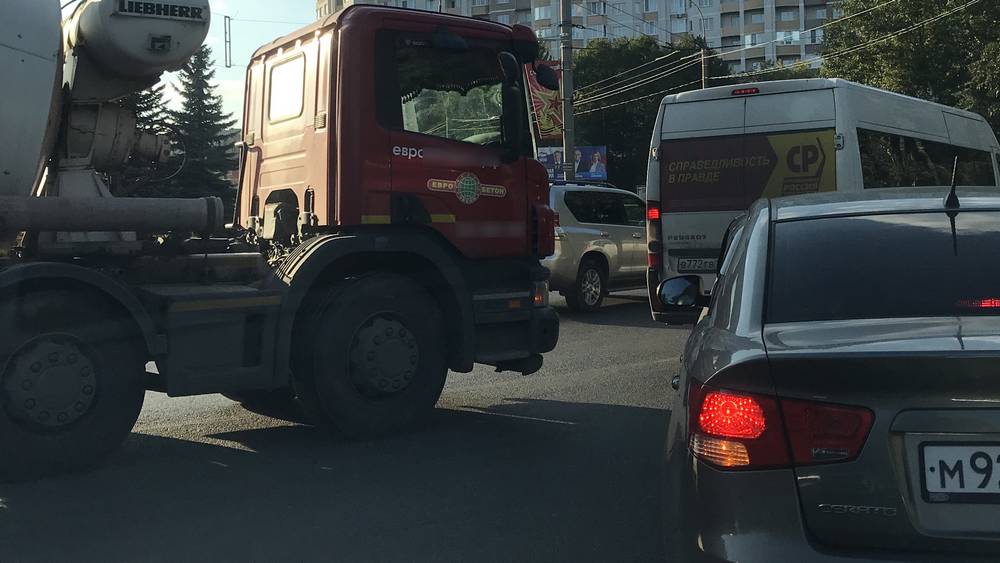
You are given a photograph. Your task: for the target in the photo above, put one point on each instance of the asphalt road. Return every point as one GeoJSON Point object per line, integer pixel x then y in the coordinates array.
{"type": "Point", "coordinates": [559, 466]}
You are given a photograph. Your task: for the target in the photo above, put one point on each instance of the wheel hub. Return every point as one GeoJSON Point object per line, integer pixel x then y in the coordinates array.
{"type": "Point", "coordinates": [592, 287]}
{"type": "Point", "coordinates": [50, 382]}
{"type": "Point", "coordinates": [384, 356]}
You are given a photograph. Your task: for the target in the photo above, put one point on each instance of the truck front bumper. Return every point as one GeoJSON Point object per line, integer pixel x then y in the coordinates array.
{"type": "Point", "coordinates": [516, 342]}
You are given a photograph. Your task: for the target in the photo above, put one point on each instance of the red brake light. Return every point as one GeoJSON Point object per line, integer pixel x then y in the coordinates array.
{"type": "Point", "coordinates": [991, 303]}
{"type": "Point", "coordinates": [731, 416]}
{"type": "Point", "coordinates": [653, 212]}
{"type": "Point", "coordinates": [745, 91]}
{"type": "Point", "coordinates": [732, 429]}
{"type": "Point", "coordinates": [823, 433]}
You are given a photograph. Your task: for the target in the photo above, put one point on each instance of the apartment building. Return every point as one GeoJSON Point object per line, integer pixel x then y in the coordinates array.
{"type": "Point", "coordinates": [750, 33]}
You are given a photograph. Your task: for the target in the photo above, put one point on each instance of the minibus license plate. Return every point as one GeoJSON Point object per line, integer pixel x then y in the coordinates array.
{"type": "Point", "coordinates": [699, 265]}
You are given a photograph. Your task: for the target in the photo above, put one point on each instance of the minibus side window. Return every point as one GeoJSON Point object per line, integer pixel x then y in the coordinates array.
{"type": "Point", "coordinates": [889, 160]}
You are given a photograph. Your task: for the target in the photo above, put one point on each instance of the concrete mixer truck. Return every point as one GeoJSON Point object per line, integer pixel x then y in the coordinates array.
{"type": "Point", "coordinates": [380, 237]}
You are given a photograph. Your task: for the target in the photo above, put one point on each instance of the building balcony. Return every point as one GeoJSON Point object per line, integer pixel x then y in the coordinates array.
{"type": "Point", "coordinates": [787, 50]}
{"type": "Point", "coordinates": [596, 20]}
{"type": "Point", "coordinates": [754, 53]}
{"type": "Point", "coordinates": [753, 5]}
{"type": "Point", "coordinates": [735, 55]}
{"type": "Point", "coordinates": [786, 26]}
{"type": "Point", "coordinates": [815, 2]}
{"type": "Point", "coordinates": [481, 10]}
{"type": "Point", "coordinates": [786, 3]}
{"type": "Point", "coordinates": [749, 28]}
{"type": "Point", "coordinates": [731, 31]}
{"type": "Point", "coordinates": [730, 6]}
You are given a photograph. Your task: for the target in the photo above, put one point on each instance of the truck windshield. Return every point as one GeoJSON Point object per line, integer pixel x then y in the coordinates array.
{"type": "Point", "coordinates": [451, 94]}
{"type": "Point", "coordinates": [885, 266]}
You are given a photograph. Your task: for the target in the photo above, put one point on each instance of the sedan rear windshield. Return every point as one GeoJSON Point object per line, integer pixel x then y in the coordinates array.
{"type": "Point", "coordinates": [885, 266]}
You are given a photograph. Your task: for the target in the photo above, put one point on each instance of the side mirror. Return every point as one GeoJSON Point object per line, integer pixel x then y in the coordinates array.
{"type": "Point", "coordinates": [546, 77]}
{"type": "Point", "coordinates": [514, 116]}
{"type": "Point", "coordinates": [681, 300]}
{"type": "Point", "coordinates": [511, 68]}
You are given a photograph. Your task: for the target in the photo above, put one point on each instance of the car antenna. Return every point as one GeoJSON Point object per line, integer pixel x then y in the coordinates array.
{"type": "Point", "coordinates": [951, 202]}
{"type": "Point", "coordinates": [952, 205]}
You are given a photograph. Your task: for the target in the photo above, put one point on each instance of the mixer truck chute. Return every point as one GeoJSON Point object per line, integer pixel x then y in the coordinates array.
{"type": "Point", "coordinates": [373, 251]}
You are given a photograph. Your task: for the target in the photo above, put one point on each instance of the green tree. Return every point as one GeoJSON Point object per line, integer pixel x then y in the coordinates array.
{"type": "Point", "coordinates": [202, 134]}
{"type": "Point", "coordinates": [954, 60]}
{"type": "Point", "coordinates": [140, 178]}
{"type": "Point", "coordinates": [625, 123]}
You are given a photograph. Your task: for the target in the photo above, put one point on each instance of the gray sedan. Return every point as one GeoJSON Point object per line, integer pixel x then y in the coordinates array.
{"type": "Point", "coordinates": [839, 399]}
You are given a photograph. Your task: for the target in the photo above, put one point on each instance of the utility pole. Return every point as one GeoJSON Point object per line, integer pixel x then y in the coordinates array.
{"type": "Point", "coordinates": [704, 69]}
{"type": "Point", "coordinates": [569, 142]}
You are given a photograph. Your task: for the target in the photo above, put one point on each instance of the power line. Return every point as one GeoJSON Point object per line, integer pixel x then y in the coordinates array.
{"type": "Point", "coordinates": [729, 52]}
{"type": "Point", "coordinates": [603, 80]}
{"type": "Point", "coordinates": [672, 70]}
{"type": "Point", "coordinates": [602, 89]}
{"type": "Point", "coordinates": [678, 66]}
{"type": "Point", "coordinates": [660, 93]}
{"type": "Point", "coordinates": [803, 32]}
{"type": "Point", "coordinates": [855, 48]}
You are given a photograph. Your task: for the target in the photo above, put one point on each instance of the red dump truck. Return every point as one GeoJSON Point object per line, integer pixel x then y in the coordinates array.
{"type": "Point", "coordinates": [389, 223]}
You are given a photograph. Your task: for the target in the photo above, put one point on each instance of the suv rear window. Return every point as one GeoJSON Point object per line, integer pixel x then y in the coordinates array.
{"type": "Point", "coordinates": [885, 266]}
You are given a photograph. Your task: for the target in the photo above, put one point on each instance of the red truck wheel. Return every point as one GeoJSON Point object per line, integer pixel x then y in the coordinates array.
{"type": "Point", "coordinates": [376, 363]}
{"type": "Point", "coordinates": [71, 383]}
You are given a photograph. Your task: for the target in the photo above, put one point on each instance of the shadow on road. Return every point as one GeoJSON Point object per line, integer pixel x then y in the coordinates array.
{"type": "Point", "coordinates": [525, 480]}
{"type": "Point", "coordinates": [624, 311]}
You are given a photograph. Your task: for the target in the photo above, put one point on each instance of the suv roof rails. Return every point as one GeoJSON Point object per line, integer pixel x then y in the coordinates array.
{"type": "Point", "coordinates": [584, 183]}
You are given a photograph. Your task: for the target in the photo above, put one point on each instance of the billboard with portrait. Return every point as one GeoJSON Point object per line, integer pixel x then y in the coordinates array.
{"type": "Point", "coordinates": [590, 163]}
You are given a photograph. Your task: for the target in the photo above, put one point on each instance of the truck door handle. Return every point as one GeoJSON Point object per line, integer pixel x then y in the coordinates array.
{"type": "Point", "coordinates": [676, 382]}
{"type": "Point", "coordinates": [605, 235]}
{"type": "Point", "coordinates": [638, 236]}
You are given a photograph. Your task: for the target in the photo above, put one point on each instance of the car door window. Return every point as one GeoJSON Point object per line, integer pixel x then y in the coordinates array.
{"type": "Point", "coordinates": [635, 210]}
{"type": "Point", "coordinates": [582, 205]}
{"type": "Point", "coordinates": [730, 278]}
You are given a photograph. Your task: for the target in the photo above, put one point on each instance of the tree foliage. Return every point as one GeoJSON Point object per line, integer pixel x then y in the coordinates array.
{"type": "Point", "coordinates": [139, 178]}
{"type": "Point", "coordinates": [625, 129]}
{"type": "Point", "coordinates": [953, 61]}
{"type": "Point", "coordinates": [202, 129]}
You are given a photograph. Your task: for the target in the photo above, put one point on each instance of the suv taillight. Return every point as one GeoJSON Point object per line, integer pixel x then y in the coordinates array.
{"type": "Point", "coordinates": [739, 430]}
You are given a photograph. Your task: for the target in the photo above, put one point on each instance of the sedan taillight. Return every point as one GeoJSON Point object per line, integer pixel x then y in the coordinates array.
{"type": "Point", "coordinates": [739, 430]}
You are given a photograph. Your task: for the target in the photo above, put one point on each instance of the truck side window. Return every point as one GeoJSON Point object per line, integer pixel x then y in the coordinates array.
{"type": "Point", "coordinates": [451, 94]}
{"type": "Point", "coordinates": [287, 86]}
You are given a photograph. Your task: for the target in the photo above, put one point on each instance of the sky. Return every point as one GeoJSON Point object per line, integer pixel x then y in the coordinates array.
{"type": "Point", "coordinates": [269, 19]}
{"type": "Point", "coordinates": [248, 36]}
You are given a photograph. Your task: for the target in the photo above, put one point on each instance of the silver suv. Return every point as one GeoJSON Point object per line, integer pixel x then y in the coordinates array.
{"type": "Point", "coordinates": [600, 243]}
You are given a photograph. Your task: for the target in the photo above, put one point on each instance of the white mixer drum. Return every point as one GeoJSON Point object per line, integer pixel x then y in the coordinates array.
{"type": "Point", "coordinates": [139, 38]}
{"type": "Point", "coordinates": [31, 66]}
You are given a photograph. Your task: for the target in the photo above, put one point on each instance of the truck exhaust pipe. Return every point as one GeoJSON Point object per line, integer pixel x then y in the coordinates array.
{"type": "Point", "coordinates": [88, 215]}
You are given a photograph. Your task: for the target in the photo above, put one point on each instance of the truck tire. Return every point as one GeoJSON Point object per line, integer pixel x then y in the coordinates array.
{"type": "Point", "coordinates": [375, 360]}
{"type": "Point", "coordinates": [588, 291]}
{"type": "Point", "coordinates": [71, 383]}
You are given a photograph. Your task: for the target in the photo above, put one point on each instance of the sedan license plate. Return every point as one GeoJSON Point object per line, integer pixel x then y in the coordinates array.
{"type": "Point", "coordinates": [697, 265]}
{"type": "Point", "coordinates": [961, 473]}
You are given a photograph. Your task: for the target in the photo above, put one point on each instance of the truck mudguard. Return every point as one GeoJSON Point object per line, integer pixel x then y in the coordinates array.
{"type": "Point", "coordinates": [300, 272]}
{"type": "Point", "coordinates": [35, 272]}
